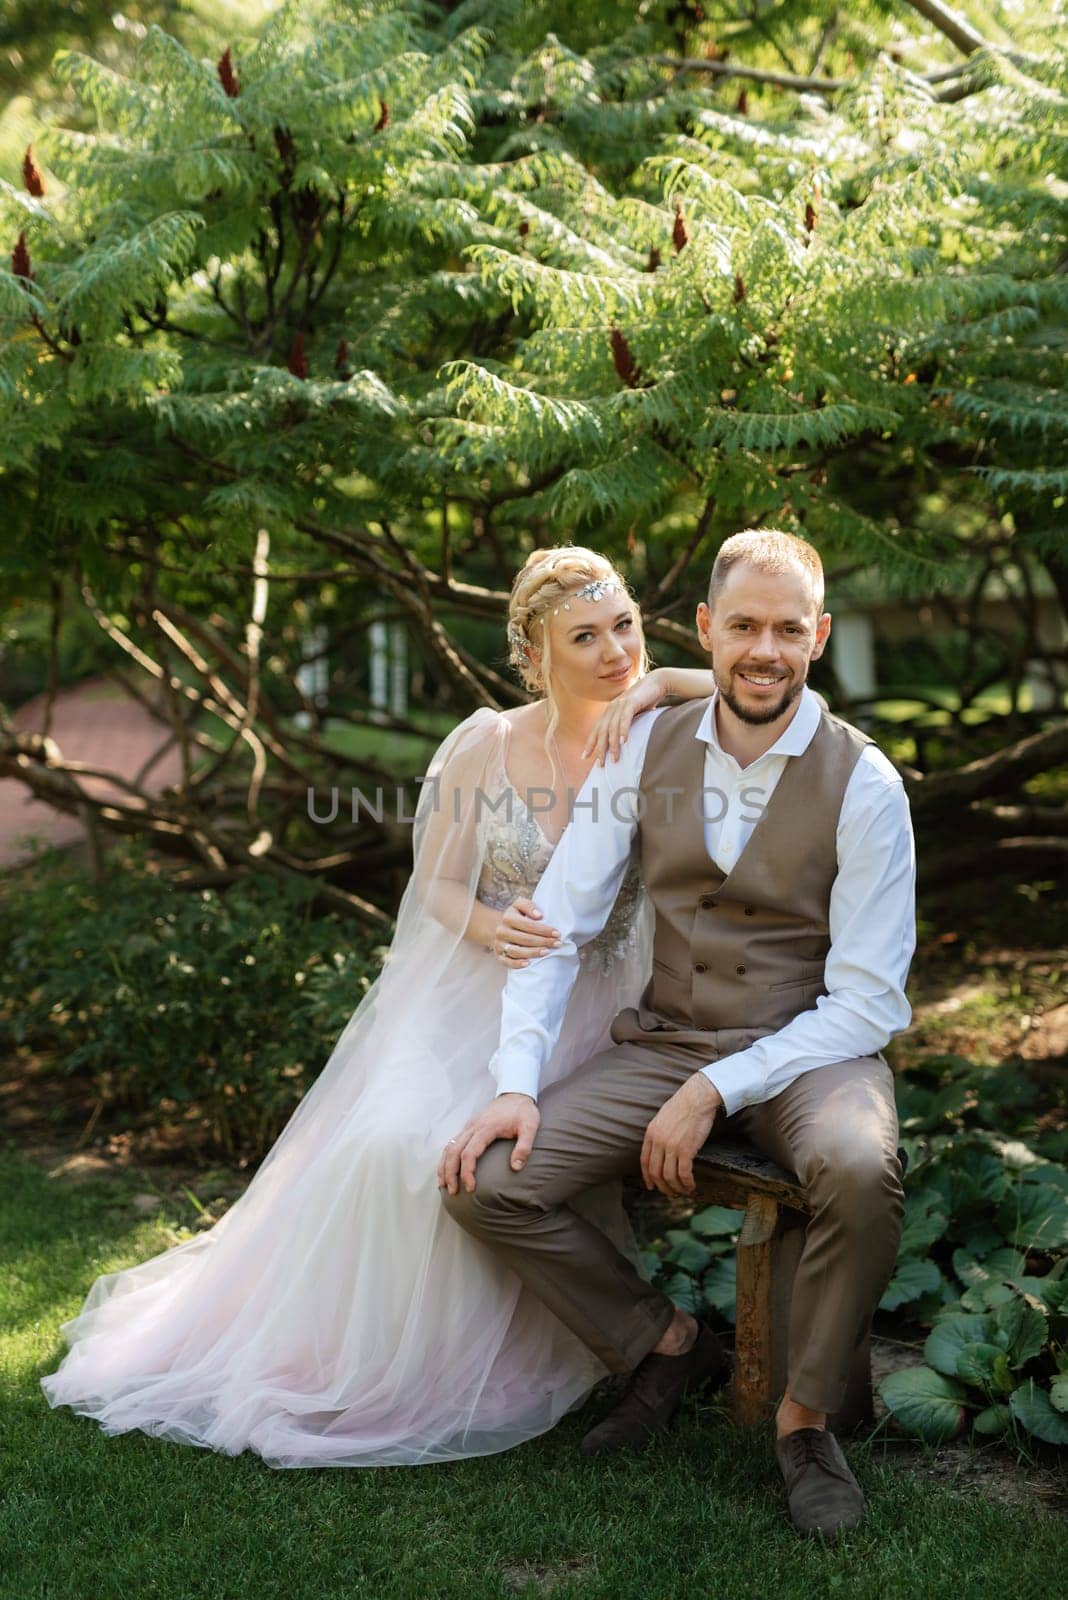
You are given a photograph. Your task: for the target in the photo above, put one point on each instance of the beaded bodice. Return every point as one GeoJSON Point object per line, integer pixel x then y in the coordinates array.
{"type": "Point", "coordinates": [515, 853]}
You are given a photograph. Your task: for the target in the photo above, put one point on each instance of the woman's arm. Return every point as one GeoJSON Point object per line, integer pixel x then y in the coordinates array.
{"type": "Point", "coordinates": [448, 848]}
{"type": "Point", "coordinates": [450, 904]}
{"type": "Point", "coordinates": [519, 928]}
{"type": "Point", "coordinates": [685, 683]}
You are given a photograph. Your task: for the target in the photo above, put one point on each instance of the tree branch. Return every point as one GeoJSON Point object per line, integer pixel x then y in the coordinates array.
{"type": "Point", "coordinates": [735, 69]}
{"type": "Point", "coordinates": [993, 774]}
{"type": "Point", "coordinates": [682, 561]}
{"type": "Point", "coordinates": [950, 23]}
{"type": "Point", "coordinates": [1003, 855]}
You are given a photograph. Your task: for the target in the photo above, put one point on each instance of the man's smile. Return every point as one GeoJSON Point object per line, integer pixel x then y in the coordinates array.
{"type": "Point", "coordinates": [762, 680]}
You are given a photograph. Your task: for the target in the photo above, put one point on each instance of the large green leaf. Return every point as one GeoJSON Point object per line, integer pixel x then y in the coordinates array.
{"type": "Point", "coordinates": [950, 1335]}
{"type": "Point", "coordinates": [1047, 1172]}
{"type": "Point", "coordinates": [716, 1221]}
{"type": "Point", "coordinates": [1032, 1408]}
{"type": "Point", "coordinates": [977, 1184]}
{"type": "Point", "coordinates": [994, 1420]}
{"type": "Point", "coordinates": [1035, 1216]}
{"type": "Point", "coordinates": [987, 1366]}
{"type": "Point", "coordinates": [925, 1402]}
{"type": "Point", "coordinates": [994, 1268]}
{"type": "Point", "coordinates": [987, 1279]}
{"type": "Point", "coordinates": [682, 1289]}
{"type": "Point", "coordinates": [718, 1287]}
{"type": "Point", "coordinates": [1020, 1329]}
{"type": "Point", "coordinates": [925, 1222]}
{"type": "Point", "coordinates": [686, 1251]}
{"type": "Point", "coordinates": [913, 1278]}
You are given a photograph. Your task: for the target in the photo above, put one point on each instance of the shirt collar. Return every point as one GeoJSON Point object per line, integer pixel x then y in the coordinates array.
{"type": "Point", "coordinates": [793, 741]}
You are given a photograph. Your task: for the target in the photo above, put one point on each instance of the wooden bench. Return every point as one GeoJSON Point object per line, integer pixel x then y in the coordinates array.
{"type": "Point", "coordinates": [732, 1173]}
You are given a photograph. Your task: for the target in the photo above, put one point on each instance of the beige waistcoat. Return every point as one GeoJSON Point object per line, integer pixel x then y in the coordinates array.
{"type": "Point", "coordinates": [745, 949]}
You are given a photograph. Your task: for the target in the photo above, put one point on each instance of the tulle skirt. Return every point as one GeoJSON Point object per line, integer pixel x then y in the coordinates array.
{"type": "Point", "coordinates": [336, 1316]}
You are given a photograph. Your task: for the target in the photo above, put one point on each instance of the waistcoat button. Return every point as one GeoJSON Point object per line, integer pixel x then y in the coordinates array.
{"type": "Point", "coordinates": [740, 971]}
{"type": "Point", "coordinates": [700, 967]}
{"type": "Point", "coordinates": [708, 902]}
{"type": "Point", "coordinates": [749, 911]}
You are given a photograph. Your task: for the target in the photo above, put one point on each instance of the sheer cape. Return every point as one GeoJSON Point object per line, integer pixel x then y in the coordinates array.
{"type": "Point", "coordinates": [336, 1315]}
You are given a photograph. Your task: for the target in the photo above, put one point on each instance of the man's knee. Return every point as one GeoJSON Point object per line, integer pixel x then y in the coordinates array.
{"type": "Point", "coordinates": [855, 1174]}
{"type": "Point", "coordinates": [495, 1193]}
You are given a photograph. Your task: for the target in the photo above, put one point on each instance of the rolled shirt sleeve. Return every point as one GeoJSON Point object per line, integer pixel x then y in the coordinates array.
{"type": "Point", "coordinates": [575, 894]}
{"type": "Point", "coordinates": [872, 924]}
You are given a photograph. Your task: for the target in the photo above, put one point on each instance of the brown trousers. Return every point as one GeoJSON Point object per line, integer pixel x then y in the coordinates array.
{"type": "Point", "coordinates": [835, 1126]}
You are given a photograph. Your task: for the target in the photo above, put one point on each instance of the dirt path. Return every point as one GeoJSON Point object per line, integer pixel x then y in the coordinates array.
{"type": "Point", "coordinates": [99, 723]}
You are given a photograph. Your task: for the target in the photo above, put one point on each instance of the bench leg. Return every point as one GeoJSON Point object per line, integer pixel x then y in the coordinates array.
{"type": "Point", "coordinates": [769, 1249]}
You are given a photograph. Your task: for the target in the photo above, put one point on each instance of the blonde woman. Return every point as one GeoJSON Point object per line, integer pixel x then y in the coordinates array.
{"type": "Point", "coordinates": [335, 1316]}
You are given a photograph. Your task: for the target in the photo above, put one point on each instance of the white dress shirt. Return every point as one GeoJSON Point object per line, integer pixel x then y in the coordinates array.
{"type": "Point", "coordinates": [872, 915]}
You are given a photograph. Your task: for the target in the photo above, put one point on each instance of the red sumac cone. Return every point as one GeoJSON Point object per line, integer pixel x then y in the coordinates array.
{"type": "Point", "coordinates": [654, 259]}
{"type": "Point", "coordinates": [298, 361]}
{"type": "Point", "coordinates": [341, 359]}
{"type": "Point", "coordinates": [626, 367]}
{"type": "Point", "coordinates": [739, 288]}
{"type": "Point", "coordinates": [31, 175]}
{"type": "Point", "coordinates": [383, 117]}
{"type": "Point", "coordinates": [227, 75]}
{"type": "Point", "coordinates": [21, 265]}
{"type": "Point", "coordinates": [743, 103]}
{"type": "Point", "coordinates": [680, 234]}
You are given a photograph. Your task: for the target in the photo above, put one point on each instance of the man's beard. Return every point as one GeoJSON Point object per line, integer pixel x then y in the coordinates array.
{"type": "Point", "coordinates": [758, 718]}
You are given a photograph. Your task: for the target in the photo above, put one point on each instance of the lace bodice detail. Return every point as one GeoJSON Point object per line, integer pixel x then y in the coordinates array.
{"type": "Point", "coordinates": [515, 853]}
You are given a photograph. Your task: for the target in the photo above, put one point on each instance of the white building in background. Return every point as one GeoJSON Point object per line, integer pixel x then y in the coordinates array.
{"type": "Point", "coordinates": [853, 653]}
{"type": "Point", "coordinates": [389, 669]}
{"type": "Point", "coordinates": [861, 617]}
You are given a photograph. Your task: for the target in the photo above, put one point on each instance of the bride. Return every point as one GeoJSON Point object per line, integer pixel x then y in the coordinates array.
{"type": "Point", "coordinates": [336, 1316]}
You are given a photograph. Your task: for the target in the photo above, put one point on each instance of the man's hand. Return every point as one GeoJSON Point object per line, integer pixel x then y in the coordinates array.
{"type": "Point", "coordinates": [676, 1133]}
{"type": "Point", "coordinates": [510, 1116]}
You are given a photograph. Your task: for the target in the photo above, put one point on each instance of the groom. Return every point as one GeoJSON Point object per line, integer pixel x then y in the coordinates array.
{"type": "Point", "coordinates": [777, 850]}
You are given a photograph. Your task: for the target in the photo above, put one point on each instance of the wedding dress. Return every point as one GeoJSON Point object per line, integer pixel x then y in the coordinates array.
{"type": "Point", "coordinates": [335, 1315]}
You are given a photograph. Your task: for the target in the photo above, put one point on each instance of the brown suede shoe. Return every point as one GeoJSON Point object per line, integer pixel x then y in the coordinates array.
{"type": "Point", "coordinates": [823, 1495]}
{"type": "Point", "coordinates": [654, 1393]}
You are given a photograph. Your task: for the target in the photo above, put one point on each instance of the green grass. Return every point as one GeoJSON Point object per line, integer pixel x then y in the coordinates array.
{"type": "Point", "coordinates": [85, 1517]}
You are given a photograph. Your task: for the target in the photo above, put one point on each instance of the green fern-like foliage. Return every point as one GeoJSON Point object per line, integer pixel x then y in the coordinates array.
{"type": "Point", "coordinates": [504, 271]}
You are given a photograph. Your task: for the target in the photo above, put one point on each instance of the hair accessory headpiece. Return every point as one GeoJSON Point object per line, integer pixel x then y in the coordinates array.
{"type": "Point", "coordinates": [595, 590]}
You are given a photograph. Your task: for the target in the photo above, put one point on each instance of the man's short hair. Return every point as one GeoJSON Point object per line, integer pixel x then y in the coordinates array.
{"type": "Point", "coordinates": [769, 550]}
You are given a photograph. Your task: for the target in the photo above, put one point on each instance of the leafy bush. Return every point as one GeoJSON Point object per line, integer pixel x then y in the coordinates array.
{"type": "Point", "coordinates": [697, 1266]}
{"type": "Point", "coordinates": [219, 1005]}
{"type": "Point", "coordinates": [1007, 1364]}
{"type": "Point", "coordinates": [986, 1225]}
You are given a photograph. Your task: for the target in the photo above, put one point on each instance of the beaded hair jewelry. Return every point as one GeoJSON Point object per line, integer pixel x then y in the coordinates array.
{"type": "Point", "coordinates": [596, 589]}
